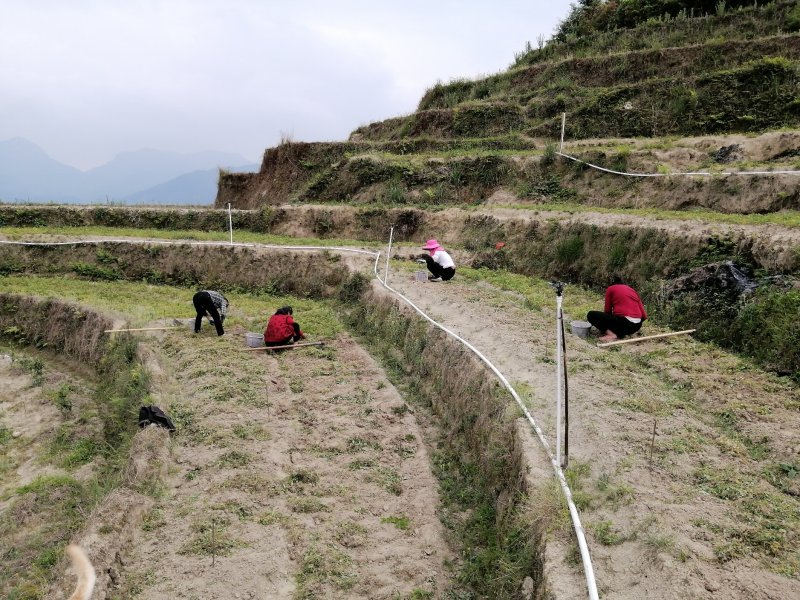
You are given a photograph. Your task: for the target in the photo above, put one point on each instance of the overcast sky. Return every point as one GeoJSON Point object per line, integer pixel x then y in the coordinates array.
{"type": "Point", "coordinates": [87, 79]}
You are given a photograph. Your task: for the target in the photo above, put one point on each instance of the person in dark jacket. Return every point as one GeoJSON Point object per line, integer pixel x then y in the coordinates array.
{"type": "Point", "coordinates": [213, 304]}
{"type": "Point", "coordinates": [281, 329]}
{"type": "Point", "coordinates": [623, 313]}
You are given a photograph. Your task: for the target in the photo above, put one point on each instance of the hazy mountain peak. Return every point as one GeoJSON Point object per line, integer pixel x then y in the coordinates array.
{"type": "Point", "coordinates": [28, 173]}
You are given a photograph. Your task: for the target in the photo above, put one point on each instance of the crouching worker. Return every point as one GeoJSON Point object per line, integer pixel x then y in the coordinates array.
{"type": "Point", "coordinates": [281, 329]}
{"type": "Point", "coordinates": [213, 304]}
{"type": "Point", "coordinates": [623, 314]}
{"type": "Point", "coordinates": [439, 263]}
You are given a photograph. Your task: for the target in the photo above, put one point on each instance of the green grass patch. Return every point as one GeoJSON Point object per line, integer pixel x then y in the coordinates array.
{"type": "Point", "coordinates": [323, 567]}
{"type": "Point", "coordinates": [402, 522]}
{"type": "Point", "coordinates": [767, 519]}
{"type": "Point", "coordinates": [211, 537]}
{"type": "Point", "coordinates": [143, 303]}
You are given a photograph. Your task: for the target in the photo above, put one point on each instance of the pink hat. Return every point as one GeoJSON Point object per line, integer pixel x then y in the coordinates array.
{"type": "Point", "coordinates": [430, 245]}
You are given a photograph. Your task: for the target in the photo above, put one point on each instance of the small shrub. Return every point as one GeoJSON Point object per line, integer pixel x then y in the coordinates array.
{"type": "Point", "coordinates": [35, 366]}
{"type": "Point", "coordinates": [322, 222]}
{"type": "Point", "coordinates": [569, 250]}
{"type": "Point", "coordinates": [95, 272]}
{"type": "Point", "coordinates": [549, 155]}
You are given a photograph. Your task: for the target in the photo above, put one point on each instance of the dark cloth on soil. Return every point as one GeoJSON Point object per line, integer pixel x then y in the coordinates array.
{"type": "Point", "coordinates": [213, 304]}
{"type": "Point", "coordinates": [153, 415]}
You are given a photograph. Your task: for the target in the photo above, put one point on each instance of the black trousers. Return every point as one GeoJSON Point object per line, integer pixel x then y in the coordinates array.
{"type": "Point", "coordinates": [619, 326]}
{"type": "Point", "coordinates": [205, 306]}
{"type": "Point", "coordinates": [289, 340]}
{"type": "Point", "coordinates": [438, 271]}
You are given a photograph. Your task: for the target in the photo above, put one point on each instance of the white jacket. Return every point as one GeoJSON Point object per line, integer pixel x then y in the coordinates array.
{"type": "Point", "coordinates": [443, 259]}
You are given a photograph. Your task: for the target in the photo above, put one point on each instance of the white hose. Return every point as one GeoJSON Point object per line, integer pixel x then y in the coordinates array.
{"type": "Point", "coordinates": [588, 569]}
{"type": "Point", "coordinates": [689, 173]}
{"type": "Point", "coordinates": [190, 243]}
{"type": "Point", "coordinates": [573, 510]}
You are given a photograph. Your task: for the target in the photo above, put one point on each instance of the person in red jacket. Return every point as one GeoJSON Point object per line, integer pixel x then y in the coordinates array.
{"type": "Point", "coordinates": [281, 329]}
{"type": "Point", "coordinates": [623, 314]}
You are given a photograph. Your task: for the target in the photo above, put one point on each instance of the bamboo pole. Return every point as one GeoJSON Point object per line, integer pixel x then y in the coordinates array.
{"type": "Point", "coordinates": [287, 346]}
{"type": "Point", "coordinates": [647, 337]}
{"type": "Point", "coordinates": [142, 329]}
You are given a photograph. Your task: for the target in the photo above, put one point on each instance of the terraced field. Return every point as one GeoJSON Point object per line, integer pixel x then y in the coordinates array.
{"type": "Point", "coordinates": [392, 463]}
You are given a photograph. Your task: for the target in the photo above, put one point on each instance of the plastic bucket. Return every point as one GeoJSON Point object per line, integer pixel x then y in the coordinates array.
{"type": "Point", "coordinates": [254, 340]}
{"type": "Point", "coordinates": [580, 328]}
{"type": "Point", "coordinates": [421, 275]}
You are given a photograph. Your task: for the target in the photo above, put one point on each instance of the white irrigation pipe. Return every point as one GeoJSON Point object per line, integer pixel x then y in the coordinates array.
{"type": "Point", "coordinates": [559, 376]}
{"type": "Point", "coordinates": [388, 255]}
{"type": "Point", "coordinates": [685, 174]}
{"type": "Point", "coordinates": [588, 569]}
{"type": "Point", "coordinates": [688, 173]}
{"type": "Point", "coordinates": [191, 243]}
{"type": "Point", "coordinates": [230, 221]}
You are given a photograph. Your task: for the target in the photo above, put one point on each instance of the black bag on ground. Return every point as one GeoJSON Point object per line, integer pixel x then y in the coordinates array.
{"type": "Point", "coordinates": [154, 415]}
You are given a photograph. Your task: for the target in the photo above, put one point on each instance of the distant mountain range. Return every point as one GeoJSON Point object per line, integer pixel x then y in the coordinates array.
{"type": "Point", "coordinates": [28, 174]}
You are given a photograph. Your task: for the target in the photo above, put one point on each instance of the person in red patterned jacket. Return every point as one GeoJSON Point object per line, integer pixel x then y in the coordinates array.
{"type": "Point", "coordinates": [281, 329]}
{"type": "Point", "coordinates": [623, 313]}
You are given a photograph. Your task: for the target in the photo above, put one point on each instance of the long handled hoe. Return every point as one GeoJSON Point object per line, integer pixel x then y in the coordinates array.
{"type": "Point", "coordinates": [288, 346]}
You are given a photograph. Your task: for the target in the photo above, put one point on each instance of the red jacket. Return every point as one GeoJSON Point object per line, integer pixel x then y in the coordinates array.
{"type": "Point", "coordinates": [623, 301]}
{"type": "Point", "coordinates": [279, 328]}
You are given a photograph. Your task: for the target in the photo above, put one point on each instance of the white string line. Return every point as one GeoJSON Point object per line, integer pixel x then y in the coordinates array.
{"type": "Point", "coordinates": [189, 243]}
{"type": "Point", "coordinates": [689, 173]}
{"type": "Point", "coordinates": [588, 569]}
{"type": "Point", "coordinates": [573, 510]}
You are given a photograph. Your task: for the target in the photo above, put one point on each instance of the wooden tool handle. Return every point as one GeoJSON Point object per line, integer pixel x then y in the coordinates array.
{"type": "Point", "coordinates": [647, 337]}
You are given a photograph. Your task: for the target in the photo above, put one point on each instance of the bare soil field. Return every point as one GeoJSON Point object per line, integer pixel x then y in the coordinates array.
{"type": "Point", "coordinates": [300, 474]}
{"type": "Point", "coordinates": [307, 475]}
{"type": "Point", "coordinates": [696, 510]}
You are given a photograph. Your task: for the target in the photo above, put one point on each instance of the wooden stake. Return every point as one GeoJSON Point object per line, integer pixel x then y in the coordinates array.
{"type": "Point", "coordinates": [653, 442]}
{"type": "Point", "coordinates": [213, 541]}
{"type": "Point", "coordinates": [647, 337]}
{"type": "Point", "coordinates": [288, 346]}
{"type": "Point", "coordinates": [141, 329]}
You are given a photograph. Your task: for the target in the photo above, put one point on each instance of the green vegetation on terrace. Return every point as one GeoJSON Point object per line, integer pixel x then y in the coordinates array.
{"type": "Point", "coordinates": [639, 67]}
{"type": "Point", "coordinates": [144, 303]}
{"type": "Point", "coordinates": [590, 16]}
{"type": "Point", "coordinates": [239, 236]}
{"type": "Point", "coordinates": [538, 294]}
{"type": "Point", "coordinates": [762, 326]}
{"type": "Point", "coordinates": [784, 218]}
{"type": "Point", "coordinates": [658, 31]}
{"type": "Point", "coordinates": [576, 75]}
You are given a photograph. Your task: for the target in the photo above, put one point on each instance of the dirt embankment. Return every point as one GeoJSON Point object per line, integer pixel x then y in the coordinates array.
{"type": "Point", "coordinates": [322, 173]}
{"type": "Point", "coordinates": [303, 274]}
{"type": "Point", "coordinates": [62, 327]}
{"type": "Point", "coordinates": [61, 471]}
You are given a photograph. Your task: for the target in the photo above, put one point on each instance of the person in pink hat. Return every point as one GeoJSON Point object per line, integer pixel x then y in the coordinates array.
{"type": "Point", "coordinates": [439, 263]}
